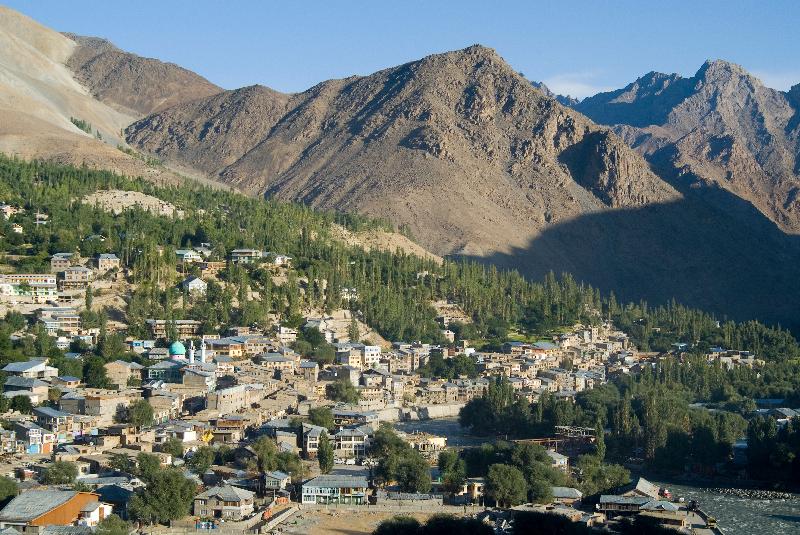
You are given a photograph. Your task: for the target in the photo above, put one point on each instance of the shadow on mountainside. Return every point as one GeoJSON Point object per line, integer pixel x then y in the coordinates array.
{"type": "Point", "coordinates": [723, 256]}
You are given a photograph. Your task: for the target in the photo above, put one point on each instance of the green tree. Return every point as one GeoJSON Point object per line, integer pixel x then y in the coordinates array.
{"type": "Point", "coordinates": [168, 496]}
{"type": "Point", "coordinates": [412, 473]}
{"type": "Point", "coordinates": [88, 298]}
{"type": "Point", "coordinates": [140, 413]}
{"type": "Point", "coordinates": [325, 454]}
{"type": "Point", "coordinates": [121, 462]}
{"type": "Point", "coordinates": [540, 491]}
{"type": "Point", "coordinates": [22, 404]}
{"type": "Point", "coordinates": [8, 489]}
{"type": "Point", "coordinates": [506, 485]}
{"type": "Point", "coordinates": [173, 446]}
{"type": "Point", "coordinates": [353, 333]}
{"type": "Point", "coordinates": [147, 465]}
{"type": "Point", "coordinates": [324, 354]}
{"type": "Point", "coordinates": [398, 525]}
{"type": "Point", "coordinates": [439, 524]}
{"type": "Point", "coordinates": [600, 442]}
{"type": "Point", "coordinates": [201, 460]}
{"type": "Point", "coordinates": [266, 453]}
{"type": "Point", "coordinates": [113, 525]}
{"type": "Point", "coordinates": [94, 372]}
{"type": "Point", "coordinates": [453, 471]}
{"type": "Point", "coordinates": [60, 473]}
{"type": "Point", "coordinates": [321, 416]}
{"type": "Point", "coordinates": [343, 391]}
{"type": "Point", "coordinates": [289, 462]}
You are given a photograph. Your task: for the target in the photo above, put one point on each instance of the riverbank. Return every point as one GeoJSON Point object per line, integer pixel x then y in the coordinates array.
{"type": "Point", "coordinates": [738, 515]}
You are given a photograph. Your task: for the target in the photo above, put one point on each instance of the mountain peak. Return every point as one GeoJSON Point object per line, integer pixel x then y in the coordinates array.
{"type": "Point", "coordinates": [720, 70]}
{"type": "Point", "coordinates": [481, 51]}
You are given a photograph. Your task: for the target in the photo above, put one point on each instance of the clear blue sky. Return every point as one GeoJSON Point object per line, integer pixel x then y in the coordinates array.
{"type": "Point", "coordinates": [575, 47]}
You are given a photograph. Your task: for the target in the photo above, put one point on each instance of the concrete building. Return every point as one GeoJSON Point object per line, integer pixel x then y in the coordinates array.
{"type": "Point", "coordinates": [184, 328]}
{"type": "Point", "coordinates": [61, 261]}
{"type": "Point", "coordinates": [76, 278]}
{"type": "Point", "coordinates": [107, 262]}
{"type": "Point", "coordinates": [226, 502]}
{"type": "Point", "coordinates": [33, 369]}
{"type": "Point", "coordinates": [119, 372]}
{"type": "Point", "coordinates": [334, 489]}
{"type": "Point", "coordinates": [235, 398]}
{"type": "Point", "coordinates": [246, 256]}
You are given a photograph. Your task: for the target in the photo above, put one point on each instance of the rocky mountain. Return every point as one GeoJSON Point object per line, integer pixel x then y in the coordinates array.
{"type": "Point", "coordinates": [476, 161]}
{"type": "Point", "coordinates": [565, 100]}
{"type": "Point", "coordinates": [720, 129]}
{"type": "Point", "coordinates": [39, 97]}
{"type": "Point", "coordinates": [136, 85]}
{"type": "Point", "coordinates": [472, 158]}
{"type": "Point", "coordinates": [457, 146]}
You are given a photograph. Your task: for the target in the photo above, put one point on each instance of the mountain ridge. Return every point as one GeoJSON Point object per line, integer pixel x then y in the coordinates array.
{"type": "Point", "coordinates": [415, 132]}
{"type": "Point", "coordinates": [134, 84]}
{"type": "Point", "coordinates": [464, 153]}
{"type": "Point", "coordinates": [719, 128]}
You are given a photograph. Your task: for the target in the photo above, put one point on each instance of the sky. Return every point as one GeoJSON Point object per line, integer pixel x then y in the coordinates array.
{"type": "Point", "coordinates": [577, 48]}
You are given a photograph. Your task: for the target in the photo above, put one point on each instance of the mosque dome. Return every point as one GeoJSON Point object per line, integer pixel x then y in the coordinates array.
{"type": "Point", "coordinates": [177, 349]}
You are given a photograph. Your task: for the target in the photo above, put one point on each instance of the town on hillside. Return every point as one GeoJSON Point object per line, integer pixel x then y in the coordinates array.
{"type": "Point", "coordinates": [256, 428]}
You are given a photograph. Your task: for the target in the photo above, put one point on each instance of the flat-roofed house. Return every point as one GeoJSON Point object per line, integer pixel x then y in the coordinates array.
{"type": "Point", "coordinates": [277, 362]}
{"type": "Point", "coordinates": [54, 420]}
{"type": "Point", "coordinates": [246, 256]}
{"type": "Point", "coordinates": [184, 328]}
{"type": "Point", "coordinates": [119, 372]}
{"type": "Point", "coordinates": [34, 438]}
{"type": "Point", "coordinates": [332, 489]}
{"type": "Point", "coordinates": [76, 278]}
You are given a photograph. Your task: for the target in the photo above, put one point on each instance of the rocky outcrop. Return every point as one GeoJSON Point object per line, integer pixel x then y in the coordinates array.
{"type": "Point", "coordinates": [721, 128]}
{"type": "Point", "coordinates": [133, 84]}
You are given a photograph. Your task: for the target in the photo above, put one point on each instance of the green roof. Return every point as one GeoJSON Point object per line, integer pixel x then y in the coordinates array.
{"type": "Point", "coordinates": [177, 348]}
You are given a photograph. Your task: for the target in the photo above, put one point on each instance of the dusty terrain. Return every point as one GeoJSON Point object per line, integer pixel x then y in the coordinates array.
{"type": "Point", "coordinates": [383, 241]}
{"type": "Point", "coordinates": [339, 522]}
{"type": "Point", "coordinates": [39, 95]}
{"type": "Point", "coordinates": [136, 85]}
{"type": "Point", "coordinates": [116, 201]}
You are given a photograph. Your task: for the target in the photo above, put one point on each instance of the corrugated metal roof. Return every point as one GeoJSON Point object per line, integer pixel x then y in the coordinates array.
{"type": "Point", "coordinates": [227, 493]}
{"type": "Point", "coordinates": [336, 481]}
{"type": "Point", "coordinates": [35, 503]}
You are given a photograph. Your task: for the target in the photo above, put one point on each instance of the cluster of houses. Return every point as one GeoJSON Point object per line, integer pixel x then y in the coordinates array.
{"type": "Point", "coordinates": [231, 387]}
{"type": "Point", "coordinates": [67, 272]}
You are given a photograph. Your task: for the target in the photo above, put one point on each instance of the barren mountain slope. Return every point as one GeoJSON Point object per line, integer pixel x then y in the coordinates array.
{"type": "Point", "coordinates": [38, 95]}
{"type": "Point", "coordinates": [457, 146]}
{"type": "Point", "coordinates": [720, 128]}
{"type": "Point", "coordinates": [136, 85]}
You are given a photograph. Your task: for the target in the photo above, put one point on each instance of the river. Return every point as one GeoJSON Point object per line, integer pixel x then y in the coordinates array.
{"type": "Point", "coordinates": [735, 516]}
{"type": "Point", "coordinates": [741, 516]}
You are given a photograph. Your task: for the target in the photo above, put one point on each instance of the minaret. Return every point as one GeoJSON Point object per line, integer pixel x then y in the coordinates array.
{"type": "Point", "coordinates": [203, 351]}
{"type": "Point", "coordinates": [191, 351]}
